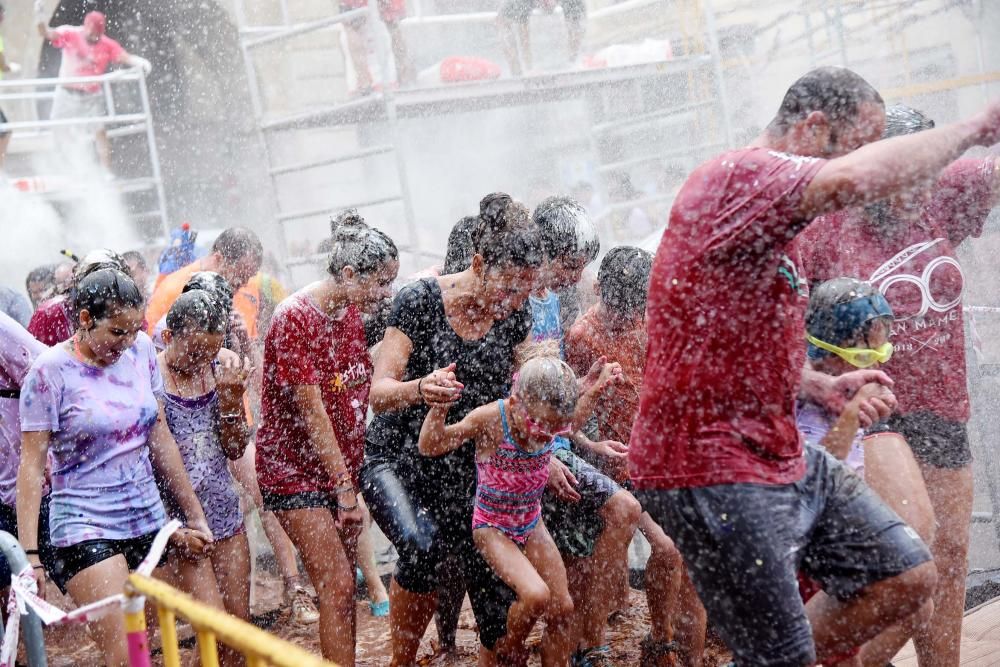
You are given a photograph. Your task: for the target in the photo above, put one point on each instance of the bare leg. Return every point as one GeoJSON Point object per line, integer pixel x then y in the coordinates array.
{"type": "Point", "coordinates": [103, 148]}
{"type": "Point", "coordinates": [197, 579]}
{"type": "Point", "coordinates": [231, 563]}
{"type": "Point", "coordinates": [284, 552]}
{"type": "Point", "coordinates": [557, 642]}
{"type": "Point", "coordinates": [404, 66]}
{"type": "Point", "coordinates": [524, 35]}
{"type": "Point", "coordinates": [515, 570]}
{"type": "Point", "coordinates": [951, 495]}
{"type": "Point", "coordinates": [690, 624]}
{"type": "Point", "coordinates": [96, 583]}
{"type": "Point", "coordinates": [4, 143]}
{"type": "Point", "coordinates": [596, 594]}
{"type": "Point", "coordinates": [359, 54]}
{"type": "Point", "coordinates": [329, 560]}
{"type": "Point", "coordinates": [894, 474]}
{"type": "Point", "coordinates": [840, 626]}
{"type": "Point", "coordinates": [508, 40]}
{"type": "Point", "coordinates": [409, 616]}
{"type": "Point", "coordinates": [366, 560]}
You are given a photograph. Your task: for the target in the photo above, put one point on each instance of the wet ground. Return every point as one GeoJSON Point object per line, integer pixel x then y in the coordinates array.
{"type": "Point", "coordinates": [73, 648]}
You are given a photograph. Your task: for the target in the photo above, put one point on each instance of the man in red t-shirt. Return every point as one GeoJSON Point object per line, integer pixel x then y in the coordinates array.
{"type": "Point", "coordinates": [87, 51]}
{"type": "Point", "coordinates": [715, 453]}
{"type": "Point", "coordinates": [906, 248]}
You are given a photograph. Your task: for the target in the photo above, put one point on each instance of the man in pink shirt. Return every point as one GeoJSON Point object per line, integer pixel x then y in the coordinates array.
{"type": "Point", "coordinates": [87, 51]}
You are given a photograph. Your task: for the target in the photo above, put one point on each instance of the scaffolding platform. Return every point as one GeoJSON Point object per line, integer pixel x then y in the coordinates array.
{"type": "Point", "coordinates": [446, 99]}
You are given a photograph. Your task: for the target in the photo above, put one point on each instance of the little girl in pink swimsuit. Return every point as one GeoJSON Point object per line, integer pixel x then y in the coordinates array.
{"type": "Point", "coordinates": [514, 441]}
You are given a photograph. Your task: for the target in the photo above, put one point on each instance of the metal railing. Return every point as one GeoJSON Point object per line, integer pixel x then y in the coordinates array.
{"type": "Point", "coordinates": [122, 124]}
{"type": "Point", "coordinates": [211, 627]}
{"type": "Point", "coordinates": [34, 642]}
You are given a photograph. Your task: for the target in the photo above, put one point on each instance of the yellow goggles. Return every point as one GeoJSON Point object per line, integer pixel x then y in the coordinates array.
{"type": "Point", "coordinates": [860, 357]}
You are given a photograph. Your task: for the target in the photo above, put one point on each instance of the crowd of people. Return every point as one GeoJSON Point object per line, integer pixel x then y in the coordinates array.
{"type": "Point", "coordinates": [795, 453]}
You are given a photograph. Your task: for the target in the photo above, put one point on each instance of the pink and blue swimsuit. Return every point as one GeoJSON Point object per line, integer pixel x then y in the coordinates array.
{"type": "Point", "coordinates": [509, 487]}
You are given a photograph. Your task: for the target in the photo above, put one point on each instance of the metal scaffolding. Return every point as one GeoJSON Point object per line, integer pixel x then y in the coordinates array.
{"type": "Point", "coordinates": [119, 123]}
{"type": "Point", "coordinates": [695, 75]}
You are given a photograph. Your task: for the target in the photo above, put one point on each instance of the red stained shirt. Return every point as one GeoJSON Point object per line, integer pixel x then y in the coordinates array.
{"type": "Point", "coordinates": [915, 267]}
{"type": "Point", "coordinates": [305, 346]}
{"type": "Point", "coordinates": [52, 323]}
{"type": "Point", "coordinates": [725, 320]}
{"type": "Point", "coordinates": [82, 57]}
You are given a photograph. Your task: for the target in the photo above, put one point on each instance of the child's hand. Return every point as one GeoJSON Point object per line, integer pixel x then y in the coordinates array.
{"type": "Point", "coordinates": [562, 482]}
{"type": "Point", "coordinates": [611, 375]}
{"type": "Point", "coordinates": [441, 386]}
{"type": "Point", "coordinates": [611, 449]}
{"type": "Point", "coordinates": [192, 544]}
{"type": "Point", "coordinates": [873, 402]}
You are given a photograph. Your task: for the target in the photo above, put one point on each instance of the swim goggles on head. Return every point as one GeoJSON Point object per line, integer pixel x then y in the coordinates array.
{"type": "Point", "coordinates": [860, 357]}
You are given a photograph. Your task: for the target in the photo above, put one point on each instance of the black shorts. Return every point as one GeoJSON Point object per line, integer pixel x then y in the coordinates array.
{"type": "Point", "coordinates": [70, 561]}
{"type": "Point", "coordinates": [575, 527]}
{"type": "Point", "coordinates": [935, 441]}
{"type": "Point", "coordinates": [8, 523]}
{"type": "Point", "coordinates": [3, 119]}
{"type": "Point", "coordinates": [276, 502]}
{"type": "Point", "coordinates": [427, 520]}
{"type": "Point", "coordinates": [519, 11]}
{"type": "Point", "coordinates": [744, 545]}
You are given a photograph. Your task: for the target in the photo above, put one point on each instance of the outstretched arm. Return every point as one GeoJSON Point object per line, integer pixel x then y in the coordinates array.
{"type": "Point", "coordinates": [882, 168]}
{"type": "Point", "coordinates": [132, 60]}
{"type": "Point", "coordinates": [42, 21]}
{"type": "Point", "coordinates": [438, 438]}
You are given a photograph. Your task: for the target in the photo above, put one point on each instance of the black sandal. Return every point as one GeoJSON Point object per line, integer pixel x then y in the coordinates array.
{"type": "Point", "coordinates": [652, 651]}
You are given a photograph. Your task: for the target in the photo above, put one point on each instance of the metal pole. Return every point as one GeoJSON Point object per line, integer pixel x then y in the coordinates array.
{"type": "Point", "coordinates": [838, 12]}
{"type": "Point", "coordinates": [34, 642]}
{"type": "Point", "coordinates": [713, 48]}
{"type": "Point", "coordinates": [154, 155]}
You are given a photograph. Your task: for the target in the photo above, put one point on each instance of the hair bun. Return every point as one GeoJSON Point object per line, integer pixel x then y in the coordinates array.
{"type": "Point", "coordinates": [347, 218]}
{"type": "Point", "coordinates": [492, 209]}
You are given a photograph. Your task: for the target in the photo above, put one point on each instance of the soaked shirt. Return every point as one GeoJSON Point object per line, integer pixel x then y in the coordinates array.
{"type": "Point", "coordinates": [916, 268]}
{"type": "Point", "coordinates": [18, 350]}
{"type": "Point", "coordinates": [484, 366]}
{"type": "Point", "coordinates": [304, 347]}
{"type": "Point", "coordinates": [100, 420]}
{"type": "Point", "coordinates": [725, 320]}
{"type": "Point", "coordinates": [52, 323]}
{"type": "Point", "coordinates": [815, 422]}
{"type": "Point", "coordinates": [194, 423]}
{"type": "Point", "coordinates": [81, 57]}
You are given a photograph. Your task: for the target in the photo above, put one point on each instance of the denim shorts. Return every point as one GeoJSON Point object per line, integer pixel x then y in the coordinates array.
{"type": "Point", "coordinates": [934, 441]}
{"type": "Point", "coordinates": [744, 545]}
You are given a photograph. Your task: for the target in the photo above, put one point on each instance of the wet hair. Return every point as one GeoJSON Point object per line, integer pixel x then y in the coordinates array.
{"type": "Point", "coordinates": [505, 236]}
{"type": "Point", "coordinates": [623, 279]}
{"type": "Point", "coordinates": [843, 310]}
{"type": "Point", "coordinates": [458, 257]}
{"type": "Point", "coordinates": [41, 274]}
{"type": "Point", "coordinates": [95, 260]}
{"type": "Point", "coordinates": [135, 257]}
{"type": "Point", "coordinates": [236, 243]}
{"type": "Point", "coordinates": [566, 229]}
{"type": "Point", "coordinates": [197, 311]}
{"type": "Point", "coordinates": [525, 352]}
{"type": "Point", "coordinates": [835, 91]}
{"type": "Point", "coordinates": [215, 286]}
{"type": "Point", "coordinates": [548, 380]}
{"type": "Point", "coordinates": [355, 244]}
{"type": "Point", "coordinates": [104, 293]}
{"type": "Point", "coordinates": [900, 120]}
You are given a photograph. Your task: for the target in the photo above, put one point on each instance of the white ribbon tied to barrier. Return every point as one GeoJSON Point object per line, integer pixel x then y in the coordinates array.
{"type": "Point", "coordinates": [24, 594]}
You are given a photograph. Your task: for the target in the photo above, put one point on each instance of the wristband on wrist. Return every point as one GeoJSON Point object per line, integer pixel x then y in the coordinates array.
{"type": "Point", "coordinates": [347, 508]}
{"type": "Point", "coordinates": [420, 393]}
{"type": "Point", "coordinates": [31, 552]}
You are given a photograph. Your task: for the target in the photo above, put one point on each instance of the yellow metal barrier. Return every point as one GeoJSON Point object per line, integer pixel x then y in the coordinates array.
{"type": "Point", "coordinates": [210, 625]}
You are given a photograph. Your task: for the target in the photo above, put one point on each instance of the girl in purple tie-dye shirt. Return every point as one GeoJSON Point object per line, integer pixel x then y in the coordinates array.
{"type": "Point", "coordinates": [91, 402]}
